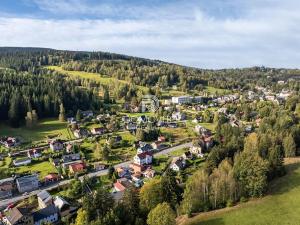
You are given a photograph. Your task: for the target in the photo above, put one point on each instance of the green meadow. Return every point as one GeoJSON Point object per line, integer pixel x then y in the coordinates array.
{"type": "Point", "coordinates": [279, 207]}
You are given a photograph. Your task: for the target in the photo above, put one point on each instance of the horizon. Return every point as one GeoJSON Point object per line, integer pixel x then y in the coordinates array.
{"type": "Point", "coordinates": [213, 69]}
{"type": "Point", "coordinates": [201, 34]}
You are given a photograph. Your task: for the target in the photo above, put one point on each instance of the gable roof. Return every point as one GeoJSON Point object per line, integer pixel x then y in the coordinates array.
{"type": "Point", "coordinates": [144, 155]}
{"type": "Point", "coordinates": [44, 213]}
{"type": "Point", "coordinates": [44, 196]}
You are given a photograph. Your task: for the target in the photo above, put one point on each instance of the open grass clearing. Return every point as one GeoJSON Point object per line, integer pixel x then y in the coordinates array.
{"type": "Point", "coordinates": [102, 79]}
{"type": "Point", "coordinates": [38, 134]}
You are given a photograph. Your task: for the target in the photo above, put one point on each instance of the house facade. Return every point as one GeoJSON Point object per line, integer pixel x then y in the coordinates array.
{"type": "Point", "coordinates": [143, 158]}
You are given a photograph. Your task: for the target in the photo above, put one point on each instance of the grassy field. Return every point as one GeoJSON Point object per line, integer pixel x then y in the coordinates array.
{"type": "Point", "coordinates": [43, 167]}
{"type": "Point", "coordinates": [39, 133]}
{"type": "Point", "coordinates": [106, 80]}
{"type": "Point", "coordinates": [279, 207]}
{"type": "Point", "coordinates": [213, 90]}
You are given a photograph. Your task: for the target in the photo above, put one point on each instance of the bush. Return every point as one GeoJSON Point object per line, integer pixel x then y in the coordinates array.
{"type": "Point", "coordinates": [243, 199]}
{"type": "Point", "coordinates": [229, 203]}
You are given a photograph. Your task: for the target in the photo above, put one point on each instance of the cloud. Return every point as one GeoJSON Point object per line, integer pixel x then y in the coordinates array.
{"type": "Point", "coordinates": [261, 35]}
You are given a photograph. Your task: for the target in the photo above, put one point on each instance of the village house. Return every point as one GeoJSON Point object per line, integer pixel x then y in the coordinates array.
{"type": "Point", "coordinates": [44, 199]}
{"type": "Point", "coordinates": [122, 184]}
{"type": "Point", "coordinates": [177, 164]}
{"type": "Point", "coordinates": [56, 145]}
{"type": "Point", "coordinates": [27, 183]}
{"type": "Point", "coordinates": [22, 162]}
{"type": "Point", "coordinates": [71, 157]}
{"type": "Point", "coordinates": [67, 164]}
{"type": "Point", "coordinates": [196, 150]}
{"type": "Point", "coordinates": [47, 215]}
{"type": "Point", "coordinates": [18, 216]}
{"type": "Point", "coordinates": [144, 147]}
{"type": "Point", "coordinates": [131, 126]}
{"type": "Point", "coordinates": [182, 100]}
{"type": "Point", "coordinates": [136, 168]}
{"type": "Point", "coordinates": [52, 177]}
{"type": "Point", "coordinates": [149, 173]}
{"type": "Point", "coordinates": [34, 154]}
{"type": "Point", "coordinates": [6, 187]}
{"type": "Point", "coordinates": [178, 116]}
{"type": "Point", "coordinates": [143, 158]}
{"type": "Point", "coordinates": [81, 133]}
{"type": "Point", "coordinates": [77, 168]}
{"type": "Point", "coordinates": [87, 113]}
{"type": "Point", "coordinates": [123, 172]}
{"type": "Point", "coordinates": [99, 166]}
{"type": "Point", "coordinates": [98, 130]}
{"type": "Point", "coordinates": [62, 205]}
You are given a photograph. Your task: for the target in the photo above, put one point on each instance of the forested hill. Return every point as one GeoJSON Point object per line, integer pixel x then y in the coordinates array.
{"type": "Point", "coordinates": [24, 59]}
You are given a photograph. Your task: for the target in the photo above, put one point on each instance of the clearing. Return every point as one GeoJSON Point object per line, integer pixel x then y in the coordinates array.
{"type": "Point", "coordinates": [38, 134]}
{"type": "Point", "coordinates": [102, 79]}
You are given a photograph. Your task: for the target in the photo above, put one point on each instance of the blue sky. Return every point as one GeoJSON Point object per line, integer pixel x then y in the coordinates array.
{"type": "Point", "coordinates": [200, 33]}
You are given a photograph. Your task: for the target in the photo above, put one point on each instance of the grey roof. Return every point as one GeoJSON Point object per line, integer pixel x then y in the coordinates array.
{"type": "Point", "coordinates": [44, 196]}
{"type": "Point", "coordinates": [26, 179]}
{"type": "Point", "coordinates": [44, 213]}
{"type": "Point", "coordinates": [60, 202]}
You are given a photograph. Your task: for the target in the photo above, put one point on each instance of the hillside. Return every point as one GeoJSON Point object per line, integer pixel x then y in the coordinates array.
{"type": "Point", "coordinates": [280, 207]}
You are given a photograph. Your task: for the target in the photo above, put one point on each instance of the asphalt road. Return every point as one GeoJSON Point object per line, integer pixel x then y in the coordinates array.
{"type": "Point", "coordinates": [4, 203]}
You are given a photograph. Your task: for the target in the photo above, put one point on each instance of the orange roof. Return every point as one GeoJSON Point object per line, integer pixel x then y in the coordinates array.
{"type": "Point", "coordinates": [77, 167]}
{"type": "Point", "coordinates": [119, 186]}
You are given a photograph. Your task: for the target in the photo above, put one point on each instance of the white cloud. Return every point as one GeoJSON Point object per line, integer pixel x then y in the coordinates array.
{"type": "Point", "coordinates": [265, 36]}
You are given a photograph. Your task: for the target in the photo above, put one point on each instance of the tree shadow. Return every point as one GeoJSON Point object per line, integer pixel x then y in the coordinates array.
{"type": "Point", "coordinates": [213, 221]}
{"type": "Point", "coordinates": [286, 183]}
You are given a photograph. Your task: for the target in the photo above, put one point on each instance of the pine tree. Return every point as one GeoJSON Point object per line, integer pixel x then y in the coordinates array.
{"type": "Point", "coordinates": [106, 97]}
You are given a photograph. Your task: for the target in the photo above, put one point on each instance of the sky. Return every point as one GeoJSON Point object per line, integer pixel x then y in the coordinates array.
{"type": "Point", "coordinates": [210, 34]}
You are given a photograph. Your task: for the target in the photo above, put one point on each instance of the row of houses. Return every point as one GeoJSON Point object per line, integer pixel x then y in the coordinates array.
{"type": "Point", "coordinates": [50, 211]}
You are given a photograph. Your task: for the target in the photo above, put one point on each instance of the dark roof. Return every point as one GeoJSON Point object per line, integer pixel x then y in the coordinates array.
{"type": "Point", "coordinates": [44, 213]}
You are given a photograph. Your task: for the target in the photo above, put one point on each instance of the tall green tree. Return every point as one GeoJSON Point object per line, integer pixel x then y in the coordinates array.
{"type": "Point", "coordinates": [162, 214]}
{"type": "Point", "coordinates": [289, 146]}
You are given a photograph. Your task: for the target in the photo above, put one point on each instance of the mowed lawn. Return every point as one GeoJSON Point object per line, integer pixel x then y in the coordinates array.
{"type": "Point", "coordinates": [281, 206]}
{"type": "Point", "coordinates": [106, 80]}
{"type": "Point", "coordinates": [44, 168]}
{"type": "Point", "coordinates": [38, 134]}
